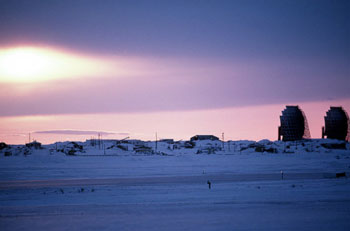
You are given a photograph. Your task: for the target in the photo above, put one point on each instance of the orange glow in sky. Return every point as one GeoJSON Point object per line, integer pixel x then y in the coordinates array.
{"type": "Point", "coordinates": [171, 68]}
{"type": "Point", "coordinates": [35, 64]}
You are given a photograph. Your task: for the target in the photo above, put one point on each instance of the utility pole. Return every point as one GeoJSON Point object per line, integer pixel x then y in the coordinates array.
{"type": "Point", "coordinates": [223, 141]}
{"type": "Point", "coordinates": [156, 142]}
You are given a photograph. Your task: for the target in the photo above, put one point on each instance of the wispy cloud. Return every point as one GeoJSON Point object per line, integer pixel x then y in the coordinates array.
{"type": "Point", "coordinates": [79, 132]}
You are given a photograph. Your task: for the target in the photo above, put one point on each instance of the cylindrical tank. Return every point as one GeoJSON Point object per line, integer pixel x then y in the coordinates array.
{"type": "Point", "coordinates": [294, 125]}
{"type": "Point", "coordinates": [336, 124]}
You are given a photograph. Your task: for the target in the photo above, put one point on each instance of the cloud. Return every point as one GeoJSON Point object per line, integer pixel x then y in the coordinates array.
{"type": "Point", "coordinates": [79, 132]}
{"type": "Point", "coordinates": [177, 85]}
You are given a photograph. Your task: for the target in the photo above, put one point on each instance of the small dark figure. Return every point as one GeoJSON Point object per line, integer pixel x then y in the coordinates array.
{"type": "Point", "coordinates": [209, 184]}
{"type": "Point", "coordinates": [282, 175]}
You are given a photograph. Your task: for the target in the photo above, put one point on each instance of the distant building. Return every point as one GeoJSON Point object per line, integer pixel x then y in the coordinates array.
{"type": "Point", "coordinates": [336, 124]}
{"type": "Point", "coordinates": [294, 125]}
{"type": "Point", "coordinates": [204, 137]}
{"type": "Point", "coordinates": [143, 149]}
{"type": "Point", "coordinates": [168, 141]}
{"type": "Point", "coordinates": [35, 144]}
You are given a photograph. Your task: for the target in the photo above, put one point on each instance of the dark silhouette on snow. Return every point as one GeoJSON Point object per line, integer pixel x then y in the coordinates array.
{"type": "Point", "coordinates": [294, 125]}
{"type": "Point", "coordinates": [336, 124]}
{"type": "Point", "coordinates": [209, 184]}
{"type": "Point", "coordinates": [204, 137]}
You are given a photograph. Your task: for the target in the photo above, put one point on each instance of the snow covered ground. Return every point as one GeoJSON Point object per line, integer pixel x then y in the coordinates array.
{"type": "Point", "coordinates": [166, 189]}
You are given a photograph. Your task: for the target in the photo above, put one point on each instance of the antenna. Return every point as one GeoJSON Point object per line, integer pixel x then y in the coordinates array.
{"type": "Point", "coordinates": [223, 141]}
{"type": "Point", "coordinates": [156, 141]}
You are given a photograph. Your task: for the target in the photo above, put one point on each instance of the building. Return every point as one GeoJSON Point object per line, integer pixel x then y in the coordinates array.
{"type": "Point", "coordinates": [35, 144]}
{"type": "Point", "coordinates": [168, 141]}
{"type": "Point", "coordinates": [204, 137]}
{"type": "Point", "coordinates": [336, 124]}
{"type": "Point", "coordinates": [294, 125]}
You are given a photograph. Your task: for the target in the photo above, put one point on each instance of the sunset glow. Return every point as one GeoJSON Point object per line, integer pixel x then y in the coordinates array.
{"type": "Point", "coordinates": [174, 115]}
{"type": "Point", "coordinates": [178, 69]}
{"type": "Point", "coordinates": [33, 64]}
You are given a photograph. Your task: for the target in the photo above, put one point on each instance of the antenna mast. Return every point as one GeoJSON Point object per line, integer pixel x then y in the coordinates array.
{"type": "Point", "coordinates": [223, 141]}
{"type": "Point", "coordinates": [156, 141]}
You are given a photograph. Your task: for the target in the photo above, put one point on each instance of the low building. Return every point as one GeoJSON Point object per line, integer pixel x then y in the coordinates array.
{"type": "Point", "coordinates": [168, 141]}
{"type": "Point", "coordinates": [204, 137]}
{"type": "Point", "coordinates": [143, 149]}
{"type": "Point", "coordinates": [35, 144]}
{"type": "Point", "coordinates": [134, 142]}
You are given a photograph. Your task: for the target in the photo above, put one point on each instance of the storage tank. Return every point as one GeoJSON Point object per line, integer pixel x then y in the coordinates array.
{"type": "Point", "coordinates": [336, 124]}
{"type": "Point", "coordinates": [294, 125]}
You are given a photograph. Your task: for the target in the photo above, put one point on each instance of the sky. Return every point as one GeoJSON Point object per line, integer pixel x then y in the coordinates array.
{"type": "Point", "coordinates": [72, 69]}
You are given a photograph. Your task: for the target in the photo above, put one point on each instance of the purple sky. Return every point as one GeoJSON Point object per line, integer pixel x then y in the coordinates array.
{"type": "Point", "coordinates": [176, 56]}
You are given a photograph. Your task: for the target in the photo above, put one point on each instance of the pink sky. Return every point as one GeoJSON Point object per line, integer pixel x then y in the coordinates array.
{"type": "Point", "coordinates": [176, 68]}
{"type": "Point", "coordinates": [253, 123]}
{"type": "Point", "coordinates": [59, 89]}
